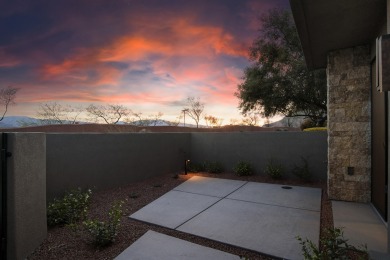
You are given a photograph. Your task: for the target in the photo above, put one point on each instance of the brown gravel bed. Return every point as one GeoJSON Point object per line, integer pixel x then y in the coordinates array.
{"type": "Point", "coordinates": [73, 242]}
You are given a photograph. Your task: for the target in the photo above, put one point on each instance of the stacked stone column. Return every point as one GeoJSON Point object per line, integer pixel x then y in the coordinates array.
{"type": "Point", "coordinates": [349, 124]}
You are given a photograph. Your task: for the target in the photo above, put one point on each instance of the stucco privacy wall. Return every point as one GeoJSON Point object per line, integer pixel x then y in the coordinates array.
{"type": "Point", "coordinates": [111, 160]}
{"type": "Point", "coordinates": [26, 186]}
{"type": "Point", "coordinates": [257, 148]}
{"type": "Point", "coordinates": [349, 124]}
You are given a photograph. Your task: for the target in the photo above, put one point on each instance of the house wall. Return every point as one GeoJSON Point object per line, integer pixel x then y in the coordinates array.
{"type": "Point", "coordinates": [388, 138]}
{"type": "Point", "coordinates": [26, 191]}
{"type": "Point", "coordinates": [109, 160]}
{"type": "Point", "coordinates": [349, 140]}
{"type": "Point", "coordinates": [288, 148]}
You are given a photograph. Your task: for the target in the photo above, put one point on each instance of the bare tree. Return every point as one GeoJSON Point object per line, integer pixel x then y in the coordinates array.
{"type": "Point", "coordinates": [138, 119]}
{"type": "Point", "coordinates": [55, 113]}
{"type": "Point", "coordinates": [7, 96]}
{"type": "Point", "coordinates": [213, 121]}
{"type": "Point", "coordinates": [251, 119]}
{"type": "Point", "coordinates": [135, 119]}
{"type": "Point", "coordinates": [195, 109]}
{"type": "Point", "coordinates": [234, 121]}
{"type": "Point", "coordinates": [153, 119]}
{"type": "Point", "coordinates": [109, 114]}
{"type": "Point", "coordinates": [176, 122]}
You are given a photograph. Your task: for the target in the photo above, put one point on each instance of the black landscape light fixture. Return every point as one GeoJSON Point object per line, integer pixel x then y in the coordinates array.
{"type": "Point", "coordinates": [185, 166]}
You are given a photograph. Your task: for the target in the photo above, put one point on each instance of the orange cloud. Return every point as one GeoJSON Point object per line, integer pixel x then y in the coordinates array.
{"type": "Point", "coordinates": [184, 39]}
{"type": "Point", "coordinates": [188, 52]}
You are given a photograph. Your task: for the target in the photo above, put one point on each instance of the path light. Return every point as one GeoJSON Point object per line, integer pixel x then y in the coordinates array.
{"type": "Point", "coordinates": [185, 166]}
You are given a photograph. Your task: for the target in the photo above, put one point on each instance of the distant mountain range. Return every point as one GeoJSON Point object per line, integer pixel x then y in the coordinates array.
{"type": "Point", "coordinates": [17, 121]}
{"type": "Point", "coordinates": [20, 121]}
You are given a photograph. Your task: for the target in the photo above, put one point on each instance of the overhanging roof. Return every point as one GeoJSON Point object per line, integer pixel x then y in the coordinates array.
{"type": "Point", "coordinates": [326, 25]}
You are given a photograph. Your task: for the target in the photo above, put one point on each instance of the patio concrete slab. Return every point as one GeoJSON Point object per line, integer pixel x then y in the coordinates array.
{"type": "Point", "coordinates": [273, 194]}
{"type": "Point", "coordinates": [174, 208]}
{"type": "Point", "coordinates": [210, 186]}
{"type": "Point", "coordinates": [263, 228]}
{"type": "Point", "coordinates": [153, 245]}
{"type": "Point", "coordinates": [260, 217]}
{"type": "Point", "coordinates": [362, 225]}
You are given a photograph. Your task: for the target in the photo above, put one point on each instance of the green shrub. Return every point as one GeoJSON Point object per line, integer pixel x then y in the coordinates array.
{"type": "Point", "coordinates": [274, 169]}
{"type": "Point", "coordinates": [69, 209]}
{"type": "Point", "coordinates": [213, 167]}
{"type": "Point", "coordinates": [313, 129]}
{"type": "Point", "coordinates": [243, 169]}
{"type": "Point", "coordinates": [302, 171]}
{"type": "Point", "coordinates": [195, 167]}
{"type": "Point", "coordinates": [335, 246]}
{"type": "Point", "coordinates": [104, 233]}
{"type": "Point", "coordinates": [134, 195]}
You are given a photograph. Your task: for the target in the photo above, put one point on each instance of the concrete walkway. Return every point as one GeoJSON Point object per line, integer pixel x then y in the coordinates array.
{"type": "Point", "coordinates": [361, 226]}
{"type": "Point", "coordinates": [262, 217]}
{"type": "Point", "coordinates": [153, 245]}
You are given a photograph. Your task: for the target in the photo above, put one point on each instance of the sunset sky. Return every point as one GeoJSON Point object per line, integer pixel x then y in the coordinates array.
{"type": "Point", "coordinates": [149, 55]}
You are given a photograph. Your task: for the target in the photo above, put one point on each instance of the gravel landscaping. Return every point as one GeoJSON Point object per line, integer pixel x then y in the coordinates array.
{"type": "Point", "coordinates": [73, 242]}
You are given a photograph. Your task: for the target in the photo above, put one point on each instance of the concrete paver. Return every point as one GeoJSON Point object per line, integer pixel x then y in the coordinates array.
{"type": "Point", "coordinates": [263, 228]}
{"type": "Point", "coordinates": [260, 217]}
{"type": "Point", "coordinates": [174, 208]}
{"type": "Point", "coordinates": [153, 245]}
{"type": "Point", "coordinates": [361, 225]}
{"type": "Point", "coordinates": [274, 194]}
{"type": "Point", "coordinates": [210, 186]}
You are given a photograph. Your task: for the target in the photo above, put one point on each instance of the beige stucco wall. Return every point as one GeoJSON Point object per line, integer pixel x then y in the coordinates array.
{"type": "Point", "coordinates": [26, 184]}
{"type": "Point", "coordinates": [349, 124]}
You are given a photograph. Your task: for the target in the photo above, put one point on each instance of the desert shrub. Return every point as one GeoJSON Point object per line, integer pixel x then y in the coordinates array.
{"type": "Point", "coordinates": [213, 167]}
{"type": "Point", "coordinates": [195, 167]}
{"type": "Point", "coordinates": [314, 129]}
{"type": "Point", "coordinates": [274, 169]}
{"type": "Point", "coordinates": [307, 123]}
{"type": "Point", "coordinates": [104, 233]}
{"type": "Point", "coordinates": [302, 171]}
{"type": "Point", "coordinates": [243, 169]}
{"type": "Point", "coordinates": [69, 209]}
{"type": "Point", "coordinates": [134, 195]}
{"type": "Point", "coordinates": [334, 246]}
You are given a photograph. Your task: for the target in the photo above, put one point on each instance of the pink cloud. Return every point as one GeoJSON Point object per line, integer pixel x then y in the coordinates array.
{"type": "Point", "coordinates": [190, 53]}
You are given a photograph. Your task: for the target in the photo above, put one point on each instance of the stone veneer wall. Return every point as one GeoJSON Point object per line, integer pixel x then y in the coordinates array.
{"type": "Point", "coordinates": [349, 124]}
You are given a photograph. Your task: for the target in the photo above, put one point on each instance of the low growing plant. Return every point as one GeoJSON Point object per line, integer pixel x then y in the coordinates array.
{"type": "Point", "coordinates": [334, 246]}
{"type": "Point", "coordinates": [213, 167]}
{"type": "Point", "coordinates": [134, 195]}
{"type": "Point", "coordinates": [195, 167]}
{"type": "Point", "coordinates": [69, 209]}
{"type": "Point", "coordinates": [243, 169]}
{"type": "Point", "coordinates": [104, 233]}
{"type": "Point", "coordinates": [274, 169]}
{"type": "Point", "coordinates": [302, 171]}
